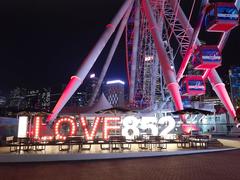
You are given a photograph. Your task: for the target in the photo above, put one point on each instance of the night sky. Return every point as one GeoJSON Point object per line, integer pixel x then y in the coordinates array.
{"type": "Point", "coordinates": [42, 42]}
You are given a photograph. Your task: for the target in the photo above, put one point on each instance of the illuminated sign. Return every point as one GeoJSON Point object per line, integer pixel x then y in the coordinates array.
{"type": "Point", "coordinates": [109, 124]}
{"type": "Point", "coordinates": [38, 128]}
{"type": "Point", "coordinates": [133, 127]}
{"type": "Point", "coordinates": [129, 126]}
{"type": "Point", "coordinates": [66, 120]}
{"type": "Point", "coordinates": [88, 135]}
{"type": "Point", "coordinates": [234, 16]}
{"type": "Point", "coordinates": [170, 125]}
{"type": "Point", "coordinates": [22, 126]}
{"type": "Point", "coordinates": [212, 57]}
{"type": "Point", "coordinates": [196, 85]}
{"type": "Point", "coordinates": [116, 82]}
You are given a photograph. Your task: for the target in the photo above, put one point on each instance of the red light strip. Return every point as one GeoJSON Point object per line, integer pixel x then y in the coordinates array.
{"type": "Point", "coordinates": [37, 126]}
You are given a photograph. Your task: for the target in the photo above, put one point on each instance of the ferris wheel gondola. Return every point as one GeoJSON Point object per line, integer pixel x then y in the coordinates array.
{"type": "Point", "coordinates": [193, 86]}
{"type": "Point", "coordinates": [221, 17]}
{"type": "Point", "coordinates": [206, 57]}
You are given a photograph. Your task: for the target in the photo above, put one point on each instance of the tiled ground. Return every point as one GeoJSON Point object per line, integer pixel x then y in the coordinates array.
{"type": "Point", "coordinates": [211, 166]}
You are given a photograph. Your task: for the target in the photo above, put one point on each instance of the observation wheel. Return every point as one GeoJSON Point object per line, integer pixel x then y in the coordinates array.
{"type": "Point", "coordinates": [159, 36]}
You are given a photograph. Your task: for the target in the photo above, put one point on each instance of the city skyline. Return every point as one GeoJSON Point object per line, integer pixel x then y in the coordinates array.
{"type": "Point", "coordinates": [106, 81]}
{"type": "Point", "coordinates": [43, 43]}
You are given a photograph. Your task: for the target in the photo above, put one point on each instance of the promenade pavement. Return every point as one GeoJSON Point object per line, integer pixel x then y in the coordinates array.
{"type": "Point", "coordinates": [208, 166]}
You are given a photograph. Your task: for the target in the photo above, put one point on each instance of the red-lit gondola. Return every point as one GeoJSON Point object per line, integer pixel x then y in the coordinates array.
{"type": "Point", "coordinates": [193, 86]}
{"type": "Point", "coordinates": [221, 17]}
{"type": "Point", "coordinates": [207, 57]}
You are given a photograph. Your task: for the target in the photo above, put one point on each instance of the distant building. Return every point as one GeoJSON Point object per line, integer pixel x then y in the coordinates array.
{"type": "Point", "coordinates": [55, 93]}
{"type": "Point", "coordinates": [234, 76]}
{"type": "Point", "coordinates": [80, 98]}
{"type": "Point", "coordinates": [76, 100]}
{"type": "Point", "coordinates": [89, 87]}
{"type": "Point", "coordinates": [22, 99]}
{"type": "Point", "coordinates": [38, 100]}
{"type": "Point", "coordinates": [114, 92]}
{"type": "Point", "coordinates": [16, 97]}
{"type": "Point", "coordinates": [84, 94]}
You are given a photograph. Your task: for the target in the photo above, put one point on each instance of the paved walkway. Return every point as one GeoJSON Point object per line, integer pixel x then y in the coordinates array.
{"type": "Point", "coordinates": [24, 158]}
{"type": "Point", "coordinates": [210, 166]}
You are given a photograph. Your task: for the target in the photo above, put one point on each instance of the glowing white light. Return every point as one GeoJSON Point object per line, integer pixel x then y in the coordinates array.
{"type": "Point", "coordinates": [212, 57]}
{"type": "Point", "coordinates": [116, 82]}
{"type": "Point", "coordinates": [238, 125]}
{"type": "Point", "coordinates": [150, 123]}
{"type": "Point", "coordinates": [22, 126]}
{"type": "Point", "coordinates": [92, 75]}
{"type": "Point", "coordinates": [228, 15]}
{"type": "Point", "coordinates": [130, 129]}
{"type": "Point", "coordinates": [171, 125]}
{"type": "Point", "coordinates": [148, 58]}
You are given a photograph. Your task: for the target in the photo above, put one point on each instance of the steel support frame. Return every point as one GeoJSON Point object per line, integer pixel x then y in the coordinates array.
{"type": "Point", "coordinates": [181, 32]}
{"type": "Point", "coordinates": [216, 82]}
{"type": "Point", "coordinates": [134, 52]}
{"type": "Point", "coordinates": [88, 62]}
{"type": "Point", "coordinates": [151, 69]}
{"type": "Point", "coordinates": [192, 43]}
{"type": "Point", "coordinates": [110, 55]}
{"type": "Point", "coordinates": [168, 72]}
{"type": "Point", "coordinates": [148, 75]}
{"type": "Point", "coordinates": [213, 77]}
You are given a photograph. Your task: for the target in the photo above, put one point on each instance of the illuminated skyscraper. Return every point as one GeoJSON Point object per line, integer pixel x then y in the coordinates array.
{"type": "Point", "coordinates": [89, 86]}
{"type": "Point", "coordinates": [114, 92]}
